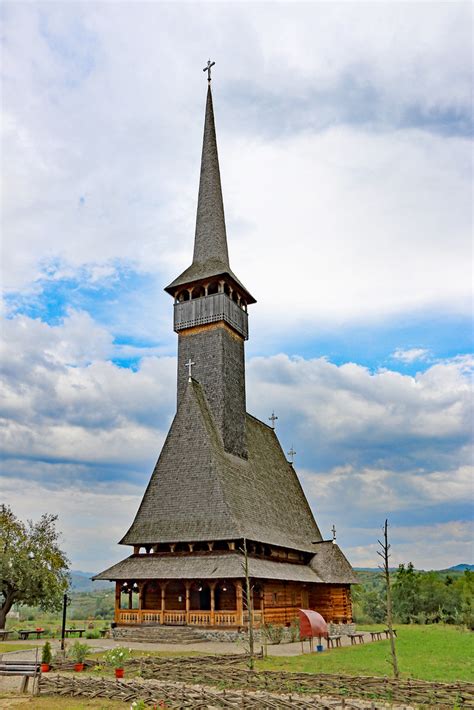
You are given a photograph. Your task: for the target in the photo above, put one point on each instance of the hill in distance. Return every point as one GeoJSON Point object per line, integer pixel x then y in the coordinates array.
{"type": "Point", "coordinates": [81, 582]}
{"type": "Point", "coordinates": [456, 568]}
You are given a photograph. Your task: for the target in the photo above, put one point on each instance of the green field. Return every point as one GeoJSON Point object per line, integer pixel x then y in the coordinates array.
{"type": "Point", "coordinates": [435, 652]}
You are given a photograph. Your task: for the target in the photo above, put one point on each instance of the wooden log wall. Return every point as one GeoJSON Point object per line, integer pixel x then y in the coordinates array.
{"type": "Point", "coordinates": [174, 592]}
{"type": "Point", "coordinates": [332, 601]}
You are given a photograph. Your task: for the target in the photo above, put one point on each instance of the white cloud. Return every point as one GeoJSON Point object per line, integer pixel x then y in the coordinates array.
{"type": "Point", "coordinates": [410, 355]}
{"type": "Point", "coordinates": [360, 220]}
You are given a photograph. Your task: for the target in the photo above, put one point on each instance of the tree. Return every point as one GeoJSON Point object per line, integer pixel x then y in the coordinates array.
{"type": "Point", "coordinates": [406, 594]}
{"type": "Point", "coordinates": [385, 555]}
{"type": "Point", "coordinates": [33, 568]}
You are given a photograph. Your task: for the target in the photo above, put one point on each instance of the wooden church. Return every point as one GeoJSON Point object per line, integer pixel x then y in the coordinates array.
{"type": "Point", "coordinates": [222, 476]}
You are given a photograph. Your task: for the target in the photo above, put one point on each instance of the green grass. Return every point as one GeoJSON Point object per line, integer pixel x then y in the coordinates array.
{"type": "Point", "coordinates": [7, 646]}
{"type": "Point", "coordinates": [436, 652]}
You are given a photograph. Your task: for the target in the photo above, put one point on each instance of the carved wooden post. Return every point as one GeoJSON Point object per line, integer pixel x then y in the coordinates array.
{"type": "Point", "coordinates": [163, 601]}
{"type": "Point", "coordinates": [117, 602]}
{"type": "Point", "coordinates": [188, 600]}
{"type": "Point", "coordinates": [240, 609]}
{"type": "Point", "coordinates": [212, 587]}
{"type": "Point", "coordinates": [130, 598]}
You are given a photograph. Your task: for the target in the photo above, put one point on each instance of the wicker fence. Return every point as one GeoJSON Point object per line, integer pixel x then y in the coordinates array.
{"type": "Point", "coordinates": [206, 672]}
{"type": "Point", "coordinates": [179, 696]}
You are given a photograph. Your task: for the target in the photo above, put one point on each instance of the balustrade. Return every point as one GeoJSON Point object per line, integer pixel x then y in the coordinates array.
{"type": "Point", "coordinates": [177, 618]}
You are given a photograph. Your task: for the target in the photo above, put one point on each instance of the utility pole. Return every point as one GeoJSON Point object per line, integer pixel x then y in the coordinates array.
{"type": "Point", "coordinates": [384, 554]}
{"type": "Point", "coordinates": [63, 627]}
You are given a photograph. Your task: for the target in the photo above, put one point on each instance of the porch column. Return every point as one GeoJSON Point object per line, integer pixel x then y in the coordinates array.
{"type": "Point", "coordinates": [117, 601]}
{"type": "Point", "coordinates": [240, 606]}
{"type": "Point", "coordinates": [130, 598]}
{"type": "Point", "coordinates": [163, 599]}
{"type": "Point", "coordinates": [212, 587]}
{"type": "Point", "coordinates": [188, 599]}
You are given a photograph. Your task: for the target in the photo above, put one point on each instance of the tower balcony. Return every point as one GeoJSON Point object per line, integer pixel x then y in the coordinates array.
{"type": "Point", "coordinates": [211, 309]}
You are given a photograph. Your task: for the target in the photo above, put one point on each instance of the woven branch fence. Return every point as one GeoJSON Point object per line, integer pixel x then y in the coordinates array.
{"type": "Point", "coordinates": [411, 691]}
{"type": "Point", "coordinates": [177, 696]}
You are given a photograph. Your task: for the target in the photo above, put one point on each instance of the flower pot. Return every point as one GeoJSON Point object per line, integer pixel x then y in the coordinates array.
{"type": "Point", "coordinates": [45, 668]}
{"type": "Point", "coordinates": [119, 672]}
{"type": "Point", "coordinates": [78, 667]}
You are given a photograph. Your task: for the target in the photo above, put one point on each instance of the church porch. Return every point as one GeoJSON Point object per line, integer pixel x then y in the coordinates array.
{"type": "Point", "coordinates": [180, 603]}
{"type": "Point", "coordinates": [220, 604]}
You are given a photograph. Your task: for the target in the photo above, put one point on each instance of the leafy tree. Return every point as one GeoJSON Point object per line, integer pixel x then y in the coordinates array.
{"type": "Point", "coordinates": [406, 591]}
{"type": "Point", "coordinates": [375, 606]}
{"type": "Point", "coordinates": [33, 568]}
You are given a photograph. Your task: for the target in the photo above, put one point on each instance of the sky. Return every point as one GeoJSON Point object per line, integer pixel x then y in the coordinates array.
{"type": "Point", "coordinates": [344, 134]}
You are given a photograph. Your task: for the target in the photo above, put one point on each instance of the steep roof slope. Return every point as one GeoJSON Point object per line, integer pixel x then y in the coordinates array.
{"type": "Point", "coordinates": [200, 492]}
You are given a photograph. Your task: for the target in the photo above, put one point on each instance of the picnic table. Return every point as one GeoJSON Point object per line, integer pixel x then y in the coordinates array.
{"type": "Point", "coordinates": [71, 632]}
{"type": "Point", "coordinates": [376, 635]}
{"type": "Point", "coordinates": [5, 634]}
{"type": "Point", "coordinates": [25, 633]}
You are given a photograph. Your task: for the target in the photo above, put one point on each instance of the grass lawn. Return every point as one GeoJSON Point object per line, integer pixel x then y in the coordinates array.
{"type": "Point", "coordinates": [435, 652]}
{"type": "Point", "coordinates": [6, 646]}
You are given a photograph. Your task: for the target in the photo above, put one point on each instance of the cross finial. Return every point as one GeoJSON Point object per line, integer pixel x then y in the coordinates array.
{"type": "Point", "coordinates": [208, 69]}
{"type": "Point", "coordinates": [291, 454]}
{"type": "Point", "coordinates": [333, 530]}
{"type": "Point", "coordinates": [272, 419]}
{"type": "Point", "coordinates": [189, 365]}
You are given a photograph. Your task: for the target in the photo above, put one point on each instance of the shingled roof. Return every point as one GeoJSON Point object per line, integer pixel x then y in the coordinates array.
{"type": "Point", "coordinates": [211, 256]}
{"type": "Point", "coordinates": [199, 492]}
{"type": "Point", "coordinates": [215, 566]}
{"type": "Point", "coordinates": [331, 565]}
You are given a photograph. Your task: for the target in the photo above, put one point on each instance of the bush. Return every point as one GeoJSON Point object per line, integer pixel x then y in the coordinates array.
{"type": "Point", "coordinates": [46, 655]}
{"type": "Point", "coordinates": [93, 634]}
{"type": "Point", "coordinates": [116, 657]}
{"type": "Point", "coordinates": [295, 630]}
{"type": "Point", "coordinates": [272, 633]}
{"type": "Point", "coordinates": [79, 651]}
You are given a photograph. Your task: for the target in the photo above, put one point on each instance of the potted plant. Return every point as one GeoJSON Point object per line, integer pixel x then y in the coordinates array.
{"type": "Point", "coordinates": [46, 657]}
{"type": "Point", "coordinates": [116, 658]}
{"type": "Point", "coordinates": [79, 652]}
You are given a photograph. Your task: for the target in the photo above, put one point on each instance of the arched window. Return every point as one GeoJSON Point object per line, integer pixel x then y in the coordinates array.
{"type": "Point", "coordinates": [212, 288]}
{"type": "Point", "coordinates": [198, 292]}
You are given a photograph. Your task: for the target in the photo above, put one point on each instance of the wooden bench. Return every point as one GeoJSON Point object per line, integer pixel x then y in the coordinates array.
{"type": "Point", "coordinates": [387, 633]}
{"type": "Point", "coordinates": [4, 634]}
{"type": "Point", "coordinates": [71, 632]}
{"type": "Point", "coordinates": [376, 635]}
{"type": "Point", "coordinates": [26, 669]}
{"type": "Point", "coordinates": [355, 637]}
{"type": "Point", "coordinates": [334, 641]}
{"type": "Point", "coordinates": [25, 633]}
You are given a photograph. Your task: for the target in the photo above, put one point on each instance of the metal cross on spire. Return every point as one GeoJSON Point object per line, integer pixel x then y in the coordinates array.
{"type": "Point", "coordinates": [208, 69]}
{"type": "Point", "coordinates": [189, 365]}
{"type": "Point", "coordinates": [291, 454]}
{"type": "Point", "coordinates": [272, 419]}
{"type": "Point", "coordinates": [333, 530]}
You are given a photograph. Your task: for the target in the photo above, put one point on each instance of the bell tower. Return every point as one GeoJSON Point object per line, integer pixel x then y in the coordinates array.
{"type": "Point", "coordinates": [210, 307]}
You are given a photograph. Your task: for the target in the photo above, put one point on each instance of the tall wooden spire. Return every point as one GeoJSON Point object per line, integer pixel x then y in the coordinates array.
{"type": "Point", "coordinates": [210, 241]}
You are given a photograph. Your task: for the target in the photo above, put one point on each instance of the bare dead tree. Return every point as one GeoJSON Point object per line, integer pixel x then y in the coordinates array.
{"type": "Point", "coordinates": [384, 553]}
{"type": "Point", "coordinates": [248, 604]}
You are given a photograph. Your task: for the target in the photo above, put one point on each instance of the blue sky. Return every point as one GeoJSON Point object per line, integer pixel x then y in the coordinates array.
{"type": "Point", "coordinates": [344, 140]}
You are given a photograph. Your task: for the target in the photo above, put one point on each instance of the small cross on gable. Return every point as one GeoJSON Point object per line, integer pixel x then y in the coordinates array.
{"type": "Point", "coordinates": [189, 365]}
{"type": "Point", "coordinates": [291, 454]}
{"type": "Point", "coordinates": [272, 419]}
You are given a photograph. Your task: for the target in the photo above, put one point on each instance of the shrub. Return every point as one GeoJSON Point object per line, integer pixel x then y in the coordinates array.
{"type": "Point", "coordinates": [295, 630]}
{"type": "Point", "coordinates": [93, 634]}
{"type": "Point", "coordinates": [79, 651]}
{"type": "Point", "coordinates": [46, 655]}
{"type": "Point", "coordinates": [116, 657]}
{"type": "Point", "coordinates": [273, 634]}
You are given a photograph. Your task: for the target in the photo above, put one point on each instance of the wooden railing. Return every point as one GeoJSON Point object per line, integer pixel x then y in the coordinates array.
{"type": "Point", "coordinates": [177, 618]}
